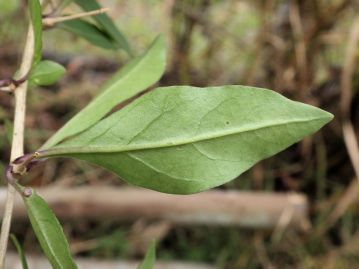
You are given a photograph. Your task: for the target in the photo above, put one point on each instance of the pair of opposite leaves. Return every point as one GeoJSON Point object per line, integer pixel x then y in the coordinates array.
{"type": "Point", "coordinates": [181, 139]}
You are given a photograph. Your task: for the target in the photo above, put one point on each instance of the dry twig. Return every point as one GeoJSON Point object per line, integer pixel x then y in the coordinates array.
{"type": "Point", "coordinates": [350, 139]}
{"type": "Point", "coordinates": [51, 21]}
{"type": "Point", "coordinates": [247, 209]}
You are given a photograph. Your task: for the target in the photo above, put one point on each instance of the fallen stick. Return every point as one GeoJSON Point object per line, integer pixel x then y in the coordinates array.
{"type": "Point", "coordinates": [13, 262]}
{"type": "Point", "coordinates": [245, 209]}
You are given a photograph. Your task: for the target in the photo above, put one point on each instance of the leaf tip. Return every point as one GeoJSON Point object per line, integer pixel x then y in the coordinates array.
{"type": "Point", "coordinates": [326, 116]}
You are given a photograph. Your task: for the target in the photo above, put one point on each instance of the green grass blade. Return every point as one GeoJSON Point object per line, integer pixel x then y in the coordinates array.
{"type": "Point", "coordinates": [150, 258]}
{"type": "Point", "coordinates": [20, 251]}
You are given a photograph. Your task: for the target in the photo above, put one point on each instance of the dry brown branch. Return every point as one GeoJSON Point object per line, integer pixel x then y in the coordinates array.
{"type": "Point", "coordinates": [352, 145]}
{"type": "Point", "coordinates": [247, 209]}
{"type": "Point", "coordinates": [348, 69]}
{"type": "Point", "coordinates": [351, 194]}
{"type": "Point", "coordinates": [262, 253]}
{"type": "Point", "coordinates": [51, 21]}
{"type": "Point", "coordinates": [350, 140]}
{"type": "Point", "coordinates": [41, 263]}
{"type": "Point", "coordinates": [327, 19]}
{"type": "Point", "coordinates": [262, 36]}
{"type": "Point", "coordinates": [300, 45]}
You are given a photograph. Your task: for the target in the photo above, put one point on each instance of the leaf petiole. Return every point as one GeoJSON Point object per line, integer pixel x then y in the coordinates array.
{"type": "Point", "coordinates": [22, 164]}
{"type": "Point", "coordinates": [23, 191]}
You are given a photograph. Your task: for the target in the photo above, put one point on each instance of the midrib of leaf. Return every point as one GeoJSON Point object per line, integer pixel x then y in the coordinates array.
{"type": "Point", "coordinates": [107, 91]}
{"type": "Point", "coordinates": [45, 238]}
{"type": "Point", "coordinates": [67, 150]}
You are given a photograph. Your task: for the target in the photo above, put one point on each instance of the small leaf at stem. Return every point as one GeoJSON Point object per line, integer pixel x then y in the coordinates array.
{"type": "Point", "coordinates": [36, 20]}
{"type": "Point", "coordinates": [150, 258]}
{"type": "Point", "coordinates": [20, 251]}
{"type": "Point", "coordinates": [88, 31]}
{"type": "Point", "coordinates": [140, 73]}
{"type": "Point", "coordinates": [106, 24]}
{"type": "Point", "coordinates": [46, 73]}
{"type": "Point", "coordinates": [185, 139]}
{"type": "Point", "coordinates": [49, 232]}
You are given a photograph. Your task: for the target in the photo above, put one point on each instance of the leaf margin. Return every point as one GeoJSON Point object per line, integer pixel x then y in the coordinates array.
{"type": "Point", "coordinates": [322, 118]}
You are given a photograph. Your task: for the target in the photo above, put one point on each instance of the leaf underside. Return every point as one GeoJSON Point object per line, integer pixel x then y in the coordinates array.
{"type": "Point", "coordinates": [184, 139]}
{"type": "Point", "coordinates": [49, 233]}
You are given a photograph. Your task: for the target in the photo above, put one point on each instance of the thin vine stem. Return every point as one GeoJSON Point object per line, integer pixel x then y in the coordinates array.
{"type": "Point", "coordinates": [17, 148]}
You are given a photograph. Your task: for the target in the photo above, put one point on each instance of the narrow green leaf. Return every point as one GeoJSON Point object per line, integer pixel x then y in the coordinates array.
{"type": "Point", "coordinates": [106, 23]}
{"type": "Point", "coordinates": [150, 258]}
{"type": "Point", "coordinates": [20, 251]}
{"type": "Point", "coordinates": [89, 32]}
{"type": "Point", "coordinates": [184, 139]}
{"type": "Point", "coordinates": [36, 20]}
{"type": "Point", "coordinates": [49, 232]}
{"type": "Point", "coordinates": [46, 73]}
{"type": "Point", "coordinates": [133, 78]}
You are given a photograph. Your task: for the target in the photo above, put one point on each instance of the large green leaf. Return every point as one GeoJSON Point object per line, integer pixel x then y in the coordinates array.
{"type": "Point", "coordinates": [36, 21]}
{"type": "Point", "coordinates": [106, 23]}
{"type": "Point", "coordinates": [136, 76]}
{"type": "Point", "coordinates": [89, 32]}
{"type": "Point", "coordinates": [49, 232]}
{"type": "Point", "coordinates": [150, 258]}
{"type": "Point", "coordinates": [183, 139]}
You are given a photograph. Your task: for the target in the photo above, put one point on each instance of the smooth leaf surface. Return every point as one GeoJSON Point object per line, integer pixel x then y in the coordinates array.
{"type": "Point", "coordinates": [106, 23]}
{"type": "Point", "coordinates": [46, 73]}
{"type": "Point", "coordinates": [184, 139]}
{"type": "Point", "coordinates": [49, 233]}
{"type": "Point", "coordinates": [133, 78]}
{"type": "Point", "coordinates": [20, 251]}
{"type": "Point", "coordinates": [88, 32]}
{"type": "Point", "coordinates": [36, 21]}
{"type": "Point", "coordinates": [150, 258]}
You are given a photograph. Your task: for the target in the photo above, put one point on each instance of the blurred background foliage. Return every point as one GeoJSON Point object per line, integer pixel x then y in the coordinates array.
{"type": "Point", "coordinates": [295, 47]}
